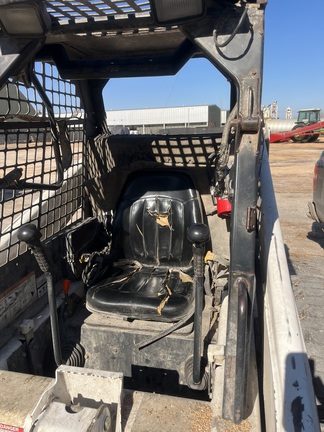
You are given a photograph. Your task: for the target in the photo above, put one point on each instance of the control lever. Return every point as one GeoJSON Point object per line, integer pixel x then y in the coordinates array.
{"type": "Point", "coordinates": [198, 234]}
{"type": "Point", "coordinates": [31, 236]}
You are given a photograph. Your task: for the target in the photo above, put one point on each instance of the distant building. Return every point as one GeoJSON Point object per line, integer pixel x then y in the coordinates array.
{"type": "Point", "coordinates": [159, 120]}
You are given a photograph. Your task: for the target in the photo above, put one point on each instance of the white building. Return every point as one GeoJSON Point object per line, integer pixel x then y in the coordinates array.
{"type": "Point", "coordinates": [155, 120]}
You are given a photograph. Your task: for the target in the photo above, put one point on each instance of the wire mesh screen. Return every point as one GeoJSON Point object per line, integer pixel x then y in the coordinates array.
{"type": "Point", "coordinates": [67, 9]}
{"type": "Point", "coordinates": [112, 158]}
{"type": "Point", "coordinates": [26, 143]}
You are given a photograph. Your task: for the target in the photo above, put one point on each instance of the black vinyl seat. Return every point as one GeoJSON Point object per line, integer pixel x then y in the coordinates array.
{"type": "Point", "coordinates": [151, 277]}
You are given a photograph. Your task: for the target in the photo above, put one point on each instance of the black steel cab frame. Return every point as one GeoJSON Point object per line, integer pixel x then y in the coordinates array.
{"type": "Point", "coordinates": [58, 161]}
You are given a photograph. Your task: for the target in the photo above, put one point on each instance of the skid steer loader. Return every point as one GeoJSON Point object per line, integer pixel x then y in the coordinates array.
{"type": "Point", "coordinates": [144, 282]}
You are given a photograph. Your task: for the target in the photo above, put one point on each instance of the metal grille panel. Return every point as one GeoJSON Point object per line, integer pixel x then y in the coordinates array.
{"type": "Point", "coordinates": [67, 10]}
{"type": "Point", "coordinates": [25, 142]}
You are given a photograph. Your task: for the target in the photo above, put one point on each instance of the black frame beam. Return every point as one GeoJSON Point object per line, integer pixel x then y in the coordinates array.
{"type": "Point", "coordinates": [233, 41]}
{"type": "Point", "coordinates": [126, 67]}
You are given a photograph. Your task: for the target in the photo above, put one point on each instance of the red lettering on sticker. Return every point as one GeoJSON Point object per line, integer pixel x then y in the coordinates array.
{"type": "Point", "coordinates": [9, 428]}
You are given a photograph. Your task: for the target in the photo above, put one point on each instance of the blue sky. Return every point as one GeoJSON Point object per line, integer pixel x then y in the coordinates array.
{"type": "Point", "coordinates": [293, 68]}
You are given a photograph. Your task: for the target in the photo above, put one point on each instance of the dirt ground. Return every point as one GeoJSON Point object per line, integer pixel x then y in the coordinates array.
{"type": "Point", "coordinates": [292, 167]}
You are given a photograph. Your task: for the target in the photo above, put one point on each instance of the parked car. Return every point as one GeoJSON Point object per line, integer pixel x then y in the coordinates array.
{"type": "Point", "coordinates": [316, 207]}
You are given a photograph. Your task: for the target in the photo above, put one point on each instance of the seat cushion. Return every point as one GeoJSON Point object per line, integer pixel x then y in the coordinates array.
{"type": "Point", "coordinates": [149, 241]}
{"type": "Point", "coordinates": [143, 292]}
{"type": "Point", "coordinates": [153, 216]}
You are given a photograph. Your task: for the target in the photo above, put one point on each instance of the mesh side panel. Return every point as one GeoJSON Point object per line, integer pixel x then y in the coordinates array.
{"type": "Point", "coordinates": [111, 159]}
{"type": "Point", "coordinates": [170, 150]}
{"type": "Point", "coordinates": [184, 151]}
{"type": "Point", "coordinates": [25, 142]}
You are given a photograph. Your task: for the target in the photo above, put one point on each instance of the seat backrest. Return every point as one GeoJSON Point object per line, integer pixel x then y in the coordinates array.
{"type": "Point", "coordinates": [152, 217]}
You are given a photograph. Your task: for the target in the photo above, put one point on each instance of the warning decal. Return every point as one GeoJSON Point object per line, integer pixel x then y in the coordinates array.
{"type": "Point", "coordinates": [9, 428]}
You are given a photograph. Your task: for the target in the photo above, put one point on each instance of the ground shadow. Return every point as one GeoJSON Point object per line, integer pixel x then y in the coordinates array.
{"type": "Point", "coordinates": [319, 391]}
{"type": "Point", "coordinates": [291, 267]}
{"type": "Point", "coordinates": [317, 234]}
{"type": "Point", "coordinates": [299, 410]}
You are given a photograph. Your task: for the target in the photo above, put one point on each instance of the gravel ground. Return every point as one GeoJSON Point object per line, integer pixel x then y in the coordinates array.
{"type": "Point", "coordinates": [292, 167]}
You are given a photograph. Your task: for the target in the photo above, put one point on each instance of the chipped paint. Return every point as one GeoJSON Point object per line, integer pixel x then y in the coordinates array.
{"type": "Point", "coordinates": [162, 304]}
{"type": "Point", "coordinates": [139, 230]}
{"type": "Point", "coordinates": [184, 277]}
{"type": "Point", "coordinates": [134, 266]}
{"type": "Point", "coordinates": [168, 289]}
{"type": "Point", "coordinates": [167, 296]}
{"type": "Point", "coordinates": [162, 219]}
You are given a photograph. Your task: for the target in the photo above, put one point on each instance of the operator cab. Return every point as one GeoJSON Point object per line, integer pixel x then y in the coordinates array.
{"type": "Point", "coordinates": [309, 116]}
{"type": "Point", "coordinates": [135, 262]}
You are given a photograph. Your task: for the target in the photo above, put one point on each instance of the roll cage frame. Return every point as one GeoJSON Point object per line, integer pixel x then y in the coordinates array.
{"type": "Point", "coordinates": [231, 36]}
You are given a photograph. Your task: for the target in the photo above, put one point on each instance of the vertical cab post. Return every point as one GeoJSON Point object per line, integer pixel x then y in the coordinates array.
{"type": "Point", "coordinates": [233, 42]}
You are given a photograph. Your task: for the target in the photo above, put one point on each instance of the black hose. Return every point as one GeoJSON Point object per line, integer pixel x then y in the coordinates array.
{"type": "Point", "coordinates": [224, 150]}
{"type": "Point", "coordinates": [168, 331]}
{"type": "Point", "coordinates": [234, 33]}
{"type": "Point", "coordinates": [54, 320]}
